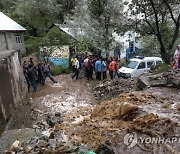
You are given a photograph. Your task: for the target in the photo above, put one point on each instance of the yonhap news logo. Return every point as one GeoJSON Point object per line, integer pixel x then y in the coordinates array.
{"type": "Point", "coordinates": [131, 139]}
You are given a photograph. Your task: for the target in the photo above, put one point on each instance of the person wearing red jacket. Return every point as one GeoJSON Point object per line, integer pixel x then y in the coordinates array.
{"type": "Point", "coordinates": [112, 68]}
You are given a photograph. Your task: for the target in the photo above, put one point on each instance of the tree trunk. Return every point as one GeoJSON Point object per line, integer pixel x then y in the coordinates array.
{"type": "Point", "coordinates": [165, 55]}
{"type": "Point", "coordinates": [34, 31]}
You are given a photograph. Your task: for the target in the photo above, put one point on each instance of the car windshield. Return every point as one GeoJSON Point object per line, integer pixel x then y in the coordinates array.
{"type": "Point", "coordinates": [132, 64]}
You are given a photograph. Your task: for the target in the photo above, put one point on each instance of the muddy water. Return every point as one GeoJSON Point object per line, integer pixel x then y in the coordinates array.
{"type": "Point", "coordinates": [169, 108]}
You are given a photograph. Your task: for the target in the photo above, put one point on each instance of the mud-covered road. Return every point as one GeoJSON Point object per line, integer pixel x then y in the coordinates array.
{"type": "Point", "coordinates": [67, 118]}
{"type": "Point", "coordinates": [57, 96]}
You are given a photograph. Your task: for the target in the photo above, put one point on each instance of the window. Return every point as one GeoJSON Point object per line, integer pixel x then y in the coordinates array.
{"type": "Point", "coordinates": [18, 39]}
{"type": "Point", "coordinates": [150, 64]}
{"type": "Point", "coordinates": [141, 65]}
{"type": "Point", "coordinates": [132, 64]}
{"type": "Point", "coordinates": [158, 62]}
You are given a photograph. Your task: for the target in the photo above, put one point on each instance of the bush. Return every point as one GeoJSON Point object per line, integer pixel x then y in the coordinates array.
{"type": "Point", "coordinates": [57, 70]}
{"type": "Point", "coordinates": [32, 45]}
{"type": "Point", "coordinates": [160, 68]}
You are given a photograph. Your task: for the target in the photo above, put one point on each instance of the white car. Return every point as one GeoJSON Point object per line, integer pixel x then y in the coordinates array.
{"type": "Point", "coordinates": [138, 65]}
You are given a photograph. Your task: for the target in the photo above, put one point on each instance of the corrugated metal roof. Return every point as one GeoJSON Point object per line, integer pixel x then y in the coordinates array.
{"type": "Point", "coordinates": [7, 24]}
{"type": "Point", "coordinates": [76, 33]}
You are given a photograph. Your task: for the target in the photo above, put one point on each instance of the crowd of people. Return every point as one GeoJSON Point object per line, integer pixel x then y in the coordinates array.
{"type": "Point", "coordinates": [89, 66]}
{"type": "Point", "coordinates": [97, 65]}
{"type": "Point", "coordinates": [35, 75]}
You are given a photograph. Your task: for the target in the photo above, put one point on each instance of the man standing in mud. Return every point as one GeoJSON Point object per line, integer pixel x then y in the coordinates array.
{"type": "Point", "coordinates": [85, 63]}
{"type": "Point", "coordinates": [112, 68]}
{"type": "Point", "coordinates": [98, 68]}
{"type": "Point", "coordinates": [40, 73]}
{"type": "Point", "coordinates": [46, 70]}
{"type": "Point", "coordinates": [77, 67]}
{"type": "Point", "coordinates": [31, 74]}
{"type": "Point", "coordinates": [25, 70]}
{"type": "Point", "coordinates": [31, 63]}
{"type": "Point", "coordinates": [73, 61]}
{"type": "Point", "coordinates": [89, 68]}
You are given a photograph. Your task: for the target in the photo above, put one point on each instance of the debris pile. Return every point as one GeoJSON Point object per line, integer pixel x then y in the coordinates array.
{"type": "Point", "coordinates": [153, 125]}
{"type": "Point", "coordinates": [166, 79]}
{"type": "Point", "coordinates": [100, 128]}
{"type": "Point", "coordinates": [106, 123]}
{"type": "Point", "coordinates": [110, 88]}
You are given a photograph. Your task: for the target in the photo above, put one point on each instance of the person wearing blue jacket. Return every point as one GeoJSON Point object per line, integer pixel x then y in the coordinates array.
{"type": "Point", "coordinates": [98, 68]}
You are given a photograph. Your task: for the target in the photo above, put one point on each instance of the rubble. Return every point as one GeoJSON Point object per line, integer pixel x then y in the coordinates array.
{"type": "Point", "coordinates": [170, 78]}
{"type": "Point", "coordinates": [104, 129]}
{"type": "Point", "coordinates": [110, 88]}
{"type": "Point", "coordinates": [151, 124]}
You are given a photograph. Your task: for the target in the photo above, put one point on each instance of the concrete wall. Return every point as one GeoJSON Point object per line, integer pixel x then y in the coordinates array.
{"type": "Point", "coordinates": [3, 44]}
{"type": "Point", "coordinates": [12, 86]}
{"type": "Point", "coordinates": [8, 41]}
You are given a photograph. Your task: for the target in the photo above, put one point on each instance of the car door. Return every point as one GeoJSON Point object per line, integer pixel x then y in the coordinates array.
{"type": "Point", "coordinates": [141, 68]}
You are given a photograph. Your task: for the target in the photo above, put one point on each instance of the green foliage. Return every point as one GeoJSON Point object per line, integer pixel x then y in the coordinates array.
{"type": "Point", "coordinates": [55, 36]}
{"type": "Point", "coordinates": [37, 15]}
{"type": "Point", "coordinates": [97, 8]}
{"type": "Point", "coordinates": [160, 68]}
{"type": "Point", "coordinates": [57, 70]}
{"type": "Point", "coordinates": [149, 46]}
{"type": "Point", "coordinates": [85, 45]}
{"type": "Point", "coordinates": [32, 45]}
{"type": "Point", "coordinates": [159, 18]}
{"type": "Point", "coordinates": [105, 15]}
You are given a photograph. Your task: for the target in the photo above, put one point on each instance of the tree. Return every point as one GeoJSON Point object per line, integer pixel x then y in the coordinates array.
{"type": "Point", "coordinates": [97, 19]}
{"type": "Point", "coordinates": [160, 18]}
{"type": "Point", "coordinates": [105, 15]}
{"type": "Point", "coordinates": [37, 15]}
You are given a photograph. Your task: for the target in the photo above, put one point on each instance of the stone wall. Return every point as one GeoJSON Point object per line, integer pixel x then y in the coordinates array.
{"type": "Point", "coordinates": [12, 86]}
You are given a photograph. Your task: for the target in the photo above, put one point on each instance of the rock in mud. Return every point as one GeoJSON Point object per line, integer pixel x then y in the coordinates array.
{"type": "Point", "coordinates": [54, 118]}
{"type": "Point", "coordinates": [41, 143]}
{"type": "Point", "coordinates": [142, 83]}
{"type": "Point", "coordinates": [125, 109]}
{"type": "Point", "coordinates": [52, 143]}
{"type": "Point", "coordinates": [27, 149]}
{"type": "Point", "coordinates": [15, 145]}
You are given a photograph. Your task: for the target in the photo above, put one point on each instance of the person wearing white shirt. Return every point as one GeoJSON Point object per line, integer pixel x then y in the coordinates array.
{"type": "Point", "coordinates": [85, 63]}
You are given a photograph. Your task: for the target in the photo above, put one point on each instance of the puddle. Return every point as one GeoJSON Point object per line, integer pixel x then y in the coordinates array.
{"type": "Point", "coordinates": [168, 108]}
{"type": "Point", "coordinates": [64, 104]}
{"type": "Point", "coordinates": [55, 85]}
{"type": "Point", "coordinates": [162, 112]}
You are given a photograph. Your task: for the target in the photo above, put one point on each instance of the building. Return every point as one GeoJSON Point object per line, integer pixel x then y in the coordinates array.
{"type": "Point", "coordinates": [11, 34]}
{"type": "Point", "coordinates": [13, 91]}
